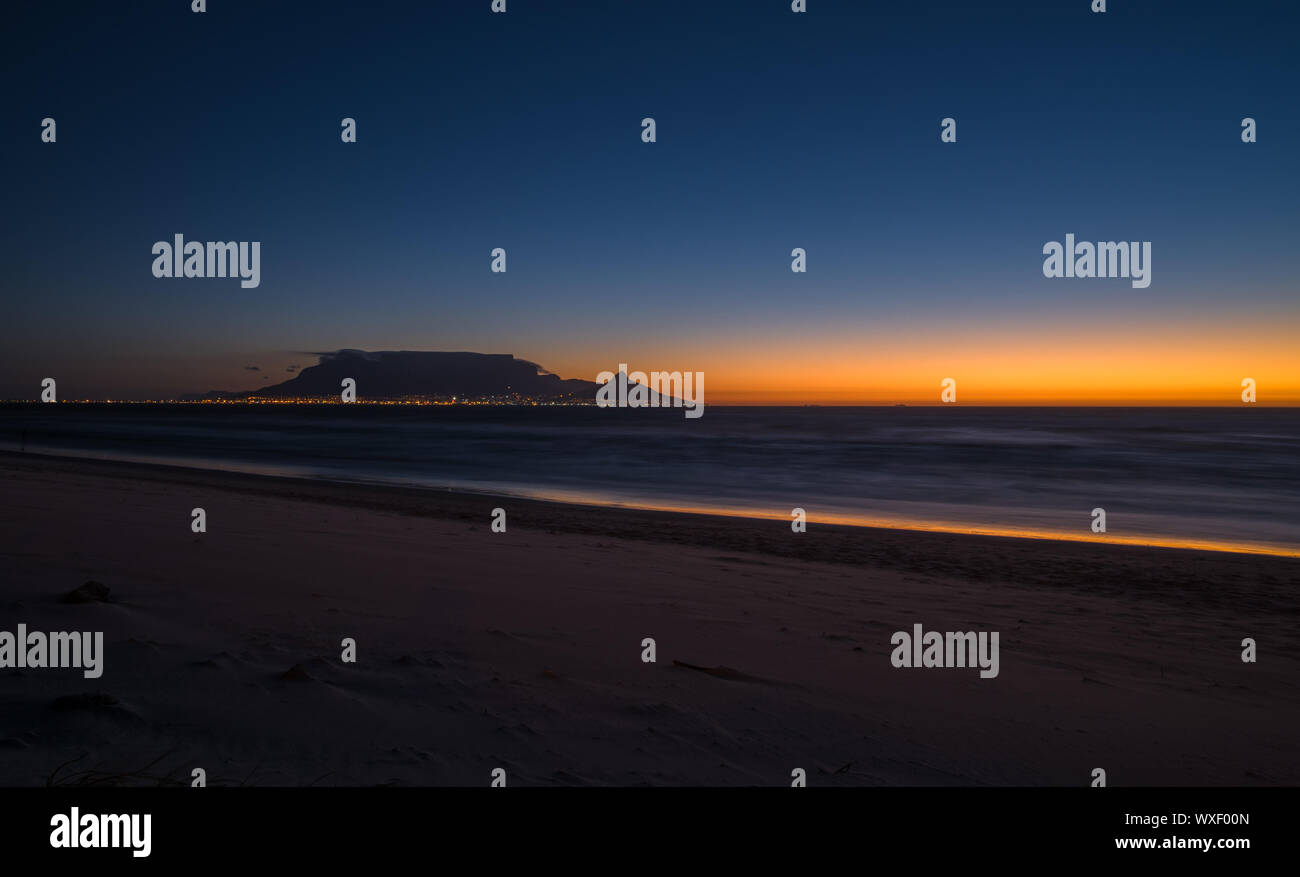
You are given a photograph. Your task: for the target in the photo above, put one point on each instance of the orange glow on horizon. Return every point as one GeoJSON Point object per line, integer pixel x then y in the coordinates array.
{"type": "Point", "coordinates": [1137, 363]}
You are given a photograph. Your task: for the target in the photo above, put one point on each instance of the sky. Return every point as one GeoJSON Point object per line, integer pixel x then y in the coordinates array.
{"type": "Point", "coordinates": [775, 130]}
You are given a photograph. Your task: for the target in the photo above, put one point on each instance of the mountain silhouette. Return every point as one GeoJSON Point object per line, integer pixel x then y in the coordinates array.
{"type": "Point", "coordinates": [392, 374]}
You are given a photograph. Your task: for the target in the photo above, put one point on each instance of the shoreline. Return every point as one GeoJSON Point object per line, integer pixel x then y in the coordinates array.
{"type": "Point", "coordinates": [406, 499]}
{"type": "Point", "coordinates": [880, 547]}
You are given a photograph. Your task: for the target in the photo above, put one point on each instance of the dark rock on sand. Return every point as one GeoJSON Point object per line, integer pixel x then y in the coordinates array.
{"type": "Point", "coordinates": [297, 673]}
{"type": "Point", "coordinates": [90, 701]}
{"type": "Point", "coordinates": [90, 592]}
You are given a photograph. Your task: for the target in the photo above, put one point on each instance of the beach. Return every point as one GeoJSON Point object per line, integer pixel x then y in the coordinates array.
{"type": "Point", "coordinates": [477, 650]}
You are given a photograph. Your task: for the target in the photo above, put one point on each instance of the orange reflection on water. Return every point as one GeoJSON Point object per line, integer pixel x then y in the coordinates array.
{"type": "Point", "coordinates": [885, 523]}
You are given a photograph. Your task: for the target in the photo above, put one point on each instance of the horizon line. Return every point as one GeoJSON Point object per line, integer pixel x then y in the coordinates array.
{"type": "Point", "coordinates": [562, 402]}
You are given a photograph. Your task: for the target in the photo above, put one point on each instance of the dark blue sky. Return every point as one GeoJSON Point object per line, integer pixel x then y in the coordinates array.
{"type": "Point", "coordinates": [522, 130]}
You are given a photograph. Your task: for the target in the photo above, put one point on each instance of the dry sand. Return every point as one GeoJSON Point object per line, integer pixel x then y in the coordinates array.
{"type": "Point", "coordinates": [522, 650]}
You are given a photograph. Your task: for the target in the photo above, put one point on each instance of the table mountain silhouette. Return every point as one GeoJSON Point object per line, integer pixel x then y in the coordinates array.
{"type": "Point", "coordinates": [391, 374]}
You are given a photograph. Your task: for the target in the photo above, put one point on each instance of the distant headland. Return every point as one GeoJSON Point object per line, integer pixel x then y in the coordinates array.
{"type": "Point", "coordinates": [420, 376]}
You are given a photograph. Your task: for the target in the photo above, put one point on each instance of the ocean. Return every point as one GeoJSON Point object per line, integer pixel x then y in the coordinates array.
{"type": "Point", "coordinates": [1225, 478]}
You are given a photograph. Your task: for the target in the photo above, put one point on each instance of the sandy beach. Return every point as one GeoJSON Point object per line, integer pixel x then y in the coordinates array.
{"type": "Point", "coordinates": [523, 650]}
